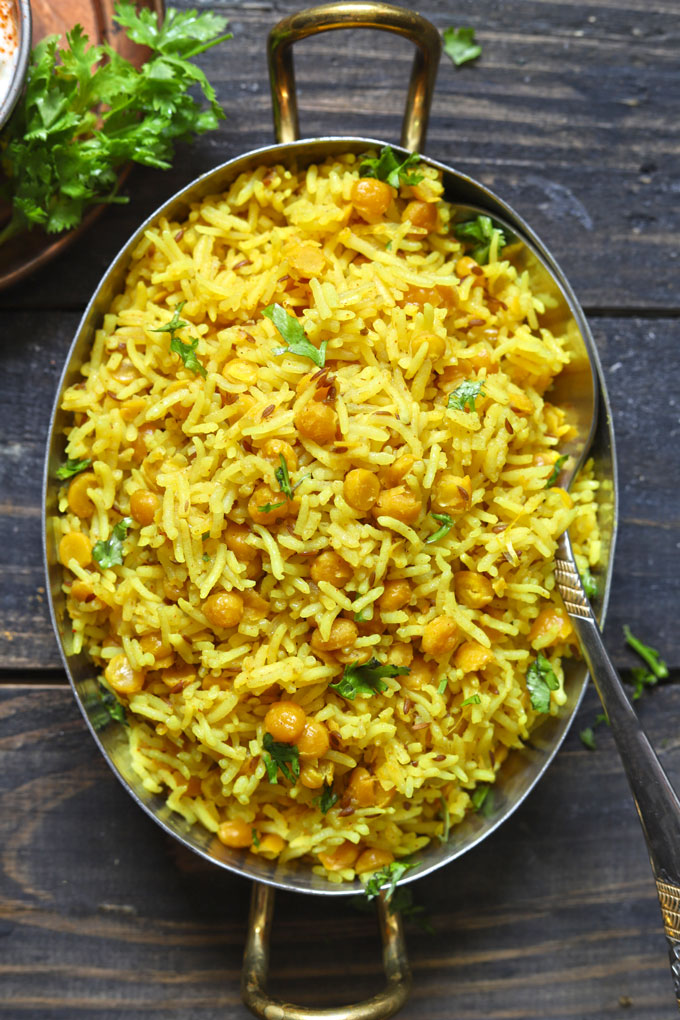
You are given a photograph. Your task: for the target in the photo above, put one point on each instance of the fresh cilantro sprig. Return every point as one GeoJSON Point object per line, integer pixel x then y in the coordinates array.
{"type": "Point", "coordinates": [86, 112]}
{"type": "Point", "coordinates": [650, 655]}
{"type": "Point", "coordinates": [110, 553]}
{"type": "Point", "coordinates": [72, 467]}
{"type": "Point", "coordinates": [480, 232]}
{"type": "Point", "coordinates": [464, 396]}
{"type": "Point", "coordinates": [278, 756]}
{"type": "Point", "coordinates": [385, 880]}
{"type": "Point", "coordinates": [541, 680]}
{"type": "Point", "coordinates": [386, 167]}
{"type": "Point", "coordinates": [587, 735]}
{"type": "Point", "coordinates": [294, 335]}
{"type": "Point", "coordinates": [474, 699]}
{"type": "Point", "coordinates": [326, 799]}
{"type": "Point", "coordinates": [446, 522]}
{"type": "Point", "coordinates": [366, 680]}
{"type": "Point", "coordinates": [403, 902]}
{"type": "Point", "coordinates": [555, 473]}
{"type": "Point", "coordinates": [460, 45]}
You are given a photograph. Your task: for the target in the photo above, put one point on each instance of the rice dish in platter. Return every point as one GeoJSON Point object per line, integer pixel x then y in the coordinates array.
{"type": "Point", "coordinates": [310, 524]}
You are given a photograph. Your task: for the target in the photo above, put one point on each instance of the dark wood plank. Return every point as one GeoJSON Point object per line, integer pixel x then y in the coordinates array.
{"type": "Point", "coordinates": [103, 916]}
{"type": "Point", "coordinates": [643, 378]}
{"type": "Point", "coordinates": [571, 116]}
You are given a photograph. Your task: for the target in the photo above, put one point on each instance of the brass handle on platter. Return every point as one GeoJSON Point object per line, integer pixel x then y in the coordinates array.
{"type": "Point", "coordinates": [669, 898]}
{"type": "Point", "coordinates": [256, 965]}
{"type": "Point", "coordinates": [355, 15]}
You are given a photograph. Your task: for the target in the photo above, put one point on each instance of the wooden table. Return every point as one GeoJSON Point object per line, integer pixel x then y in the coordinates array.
{"type": "Point", "coordinates": [571, 116]}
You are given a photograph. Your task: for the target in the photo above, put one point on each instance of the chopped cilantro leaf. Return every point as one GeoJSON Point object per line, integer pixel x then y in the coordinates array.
{"type": "Point", "coordinates": [294, 335]}
{"type": "Point", "coordinates": [482, 799]}
{"type": "Point", "coordinates": [110, 553]}
{"type": "Point", "coordinates": [386, 167]}
{"type": "Point", "coordinates": [402, 902]}
{"type": "Point", "coordinates": [480, 232]}
{"type": "Point", "coordinates": [283, 478]}
{"type": "Point", "coordinates": [443, 684]}
{"type": "Point", "coordinates": [588, 738]}
{"type": "Point", "coordinates": [174, 323]}
{"type": "Point", "coordinates": [187, 353]}
{"type": "Point", "coordinates": [649, 654]}
{"type": "Point", "coordinates": [255, 838]}
{"type": "Point", "coordinates": [555, 473]}
{"type": "Point", "coordinates": [642, 678]}
{"type": "Point", "coordinates": [474, 699]}
{"type": "Point", "coordinates": [363, 615]}
{"type": "Point", "coordinates": [327, 798]}
{"type": "Point", "coordinates": [541, 680]}
{"type": "Point", "coordinates": [464, 396]}
{"type": "Point", "coordinates": [106, 708]}
{"type": "Point", "coordinates": [460, 45]}
{"type": "Point", "coordinates": [447, 523]}
{"type": "Point", "coordinates": [72, 467]}
{"type": "Point", "coordinates": [278, 756]}
{"type": "Point", "coordinates": [366, 680]}
{"type": "Point", "coordinates": [268, 507]}
{"type": "Point", "coordinates": [386, 879]}
{"type": "Point", "coordinates": [589, 583]}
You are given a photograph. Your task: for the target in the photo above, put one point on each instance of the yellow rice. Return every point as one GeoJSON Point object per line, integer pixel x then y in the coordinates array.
{"type": "Point", "coordinates": [384, 290]}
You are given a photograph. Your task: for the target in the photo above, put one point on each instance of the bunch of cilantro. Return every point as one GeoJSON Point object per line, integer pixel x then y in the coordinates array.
{"type": "Point", "coordinates": [87, 111]}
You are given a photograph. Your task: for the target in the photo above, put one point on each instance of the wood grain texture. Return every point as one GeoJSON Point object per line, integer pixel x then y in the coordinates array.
{"type": "Point", "coordinates": [571, 115]}
{"type": "Point", "coordinates": [640, 360]}
{"type": "Point", "coordinates": [103, 916]}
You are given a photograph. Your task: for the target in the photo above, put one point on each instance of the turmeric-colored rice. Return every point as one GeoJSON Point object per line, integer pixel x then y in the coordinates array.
{"type": "Point", "coordinates": [234, 596]}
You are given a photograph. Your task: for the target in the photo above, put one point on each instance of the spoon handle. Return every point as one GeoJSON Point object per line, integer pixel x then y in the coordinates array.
{"type": "Point", "coordinates": [657, 804]}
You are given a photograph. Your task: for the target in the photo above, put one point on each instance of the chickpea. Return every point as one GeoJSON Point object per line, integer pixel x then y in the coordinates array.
{"type": "Point", "coordinates": [484, 359]}
{"type": "Point", "coordinates": [317, 421]}
{"type": "Point", "coordinates": [279, 506]}
{"type": "Point", "coordinates": [400, 655]}
{"type": "Point", "coordinates": [396, 472]}
{"type": "Point", "coordinates": [473, 590]}
{"type": "Point", "coordinates": [313, 742]}
{"type": "Point", "coordinates": [371, 198]}
{"type": "Point", "coordinates": [236, 537]}
{"type": "Point", "coordinates": [421, 296]}
{"type": "Point", "coordinates": [520, 403]}
{"type": "Point", "coordinates": [330, 567]}
{"type": "Point", "coordinates": [78, 500]}
{"type": "Point", "coordinates": [235, 833]}
{"type": "Point", "coordinates": [361, 489]}
{"type": "Point", "coordinates": [472, 656]}
{"type": "Point", "coordinates": [419, 676]}
{"type": "Point", "coordinates": [439, 636]}
{"type": "Point", "coordinates": [254, 568]}
{"type": "Point", "coordinates": [125, 372]}
{"type": "Point", "coordinates": [181, 673]}
{"type": "Point", "coordinates": [122, 678]}
{"type": "Point", "coordinates": [271, 845]}
{"type": "Point", "coordinates": [342, 857]}
{"type": "Point", "coordinates": [311, 776]}
{"type": "Point", "coordinates": [143, 506]}
{"type": "Point", "coordinates": [550, 627]}
{"type": "Point", "coordinates": [422, 214]}
{"type": "Point", "coordinates": [372, 859]}
{"type": "Point", "coordinates": [131, 408]}
{"type": "Point", "coordinates": [399, 503]}
{"type": "Point", "coordinates": [436, 345]}
{"type": "Point", "coordinates": [285, 720]}
{"type": "Point", "coordinates": [275, 448]}
{"type": "Point", "coordinates": [140, 447]}
{"type": "Point", "coordinates": [173, 590]}
{"type": "Point", "coordinates": [305, 258]}
{"type": "Point", "coordinates": [224, 609]}
{"type": "Point", "coordinates": [81, 591]}
{"type": "Point", "coordinates": [464, 266]}
{"type": "Point", "coordinates": [240, 371]}
{"type": "Point", "coordinates": [397, 594]}
{"type": "Point", "coordinates": [453, 494]}
{"type": "Point", "coordinates": [75, 546]}
{"type": "Point", "coordinates": [153, 644]}
{"type": "Point", "coordinates": [343, 634]}
{"type": "Point", "coordinates": [362, 787]}
{"type": "Point", "coordinates": [255, 607]}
